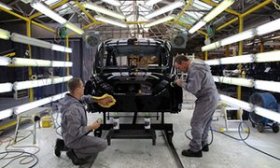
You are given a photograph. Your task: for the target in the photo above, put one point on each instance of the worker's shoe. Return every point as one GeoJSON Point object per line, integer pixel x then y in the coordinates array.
{"type": "Point", "coordinates": [59, 146]}
{"type": "Point", "coordinates": [75, 160]}
{"type": "Point", "coordinates": [190, 153]}
{"type": "Point", "coordinates": [205, 148]}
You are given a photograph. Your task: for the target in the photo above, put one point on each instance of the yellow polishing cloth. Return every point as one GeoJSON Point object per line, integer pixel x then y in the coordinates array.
{"type": "Point", "coordinates": [108, 105]}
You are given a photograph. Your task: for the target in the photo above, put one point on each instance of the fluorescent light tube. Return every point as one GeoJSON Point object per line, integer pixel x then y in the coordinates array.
{"type": "Point", "coordinates": [260, 30]}
{"type": "Point", "coordinates": [62, 64]}
{"type": "Point", "coordinates": [29, 40]}
{"type": "Point", "coordinates": [197, 26]}
{"type": "Point", "coordinates": [236, 103]}
{"type": "Point", "coordinates": [109, 21]}
{"type": "Point", "coordinates": [58, 96]}
{"type": "Point", "coordinates": [74, 28]}
{"type": "Point", "coordinates": [61, 79]}
{"type": "Point", "coordinates": [216, 78]}
{"type": "Point", "coordinates": [112, 2]}
{"type": "Point", "coordinates": [152, 2]}
{"type": "Point", "coordinates": [272, 115]}
{"type": "Point", "coordinates": [217, 10]}
{"type": "Point", "coordinates": [235, 81]}
{"type": "Point", "coordinates": [31, 62]}
{"type": "Point", "coordinates": [40, 63]}
{"type": "Point", "coordinates": [5, 6]}
{"type": "Point", "coordinates": [6, 113]}
{"type": "Point", "coordinates": [213, 62]}
{"type": "Point", "coordinates": [4, 61]}
{"type": "Point", "coordinates": [238, 37]}
{"type": "Point", "coordinates": [243, 59]}
{"type": "Point", "coordinates": [105, 11]}
{"type": "Point", "coordinates": [159, 21]}
{"type": "Point", "coordinates": [32, 84]}
{"type": "Point", "coordinates": [268, 27]}
{"type": "Point", "coordinates": [267, 85]}
{"type": "Point", "coordinates": [36, 4]}
{"type": "Point", "coordinates": [211, 46]}
{"type": "Point", "coordinates": [271, 56]}
{"type": "Point", "coordinates": [28, 106]}
{"type": "Point", "coordinates": [4, 34]}
{"type": "Point", "coordinates": [38, 83]}
{"type": "Point", "coordinates": [212, 14]}
{"type": "Point", "coordinates": [6, 87]}
{"type": "Point", "coordinates": [165, 9]}
{"type": "Point", "coordinates": [61, 48]}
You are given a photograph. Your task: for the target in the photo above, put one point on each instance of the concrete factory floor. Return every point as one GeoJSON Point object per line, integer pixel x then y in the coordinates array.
{"type": "Point", "coordinates": [135, 153]}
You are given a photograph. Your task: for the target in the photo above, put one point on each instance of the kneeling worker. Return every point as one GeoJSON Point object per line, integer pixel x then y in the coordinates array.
{"type": "Point", "coordinates": [82, 147]}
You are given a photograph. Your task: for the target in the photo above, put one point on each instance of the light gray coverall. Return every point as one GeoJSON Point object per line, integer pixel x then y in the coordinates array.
{"type": "Point", "coordinates": [74, 130]}
{"type": "Point", "coordinates": [201, 84]}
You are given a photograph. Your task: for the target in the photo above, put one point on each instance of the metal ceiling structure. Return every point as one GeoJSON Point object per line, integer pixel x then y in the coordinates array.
{"type": "Point", "coordinates": [240, 16]}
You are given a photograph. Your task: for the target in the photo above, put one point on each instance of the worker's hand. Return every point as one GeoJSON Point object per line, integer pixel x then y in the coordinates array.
{"type": "Point", "coordinates": [179, 82]}
{"type": "Point", "coordinates": [95, 125]}
{"type": "Point", "coordinates": [105, 101]}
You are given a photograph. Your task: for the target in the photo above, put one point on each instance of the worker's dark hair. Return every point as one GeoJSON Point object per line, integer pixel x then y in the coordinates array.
{"type": "Point", "coordinates": [180, 58]}
{"type": "Point", "coordinates": [73, 84]}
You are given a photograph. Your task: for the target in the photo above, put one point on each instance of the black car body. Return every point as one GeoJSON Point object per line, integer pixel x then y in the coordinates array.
{"type": "Point", "coordinates": [137, 72]}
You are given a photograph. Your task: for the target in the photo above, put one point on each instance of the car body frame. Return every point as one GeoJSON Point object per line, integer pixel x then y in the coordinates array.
{"type": "Point", "coordinates": [138, 73]}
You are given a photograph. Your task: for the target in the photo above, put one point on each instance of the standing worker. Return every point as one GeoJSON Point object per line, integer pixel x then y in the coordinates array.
{"type": "Point", "coordinates": [82, 147]}
{"type": "Point", "coordinates": [201, 84]}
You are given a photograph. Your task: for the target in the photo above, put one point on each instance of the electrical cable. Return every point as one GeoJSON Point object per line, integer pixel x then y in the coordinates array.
{"type": "Point", "coordinates": [211, 131]}
{"type": "Point", "coordinates": [17, 157]}
{"type": "Point", "coordinates": [21, 153]}
{"type": "Point", "coordinates": [238, 139]}
{"type": "Point", "coordinates": [58, 126]}
{"type": "Point", "coordinates": [276, 5]}
{"type": "Point", "coordinates": [252, 147]}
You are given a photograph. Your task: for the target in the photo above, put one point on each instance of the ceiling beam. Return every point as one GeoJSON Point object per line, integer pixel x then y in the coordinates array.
{"type": "Point", "coordinates": [253, 9]}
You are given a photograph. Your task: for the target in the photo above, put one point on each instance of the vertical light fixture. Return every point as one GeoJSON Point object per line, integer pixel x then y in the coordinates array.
{"type": "Point", "coordinates": [4, 34]}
